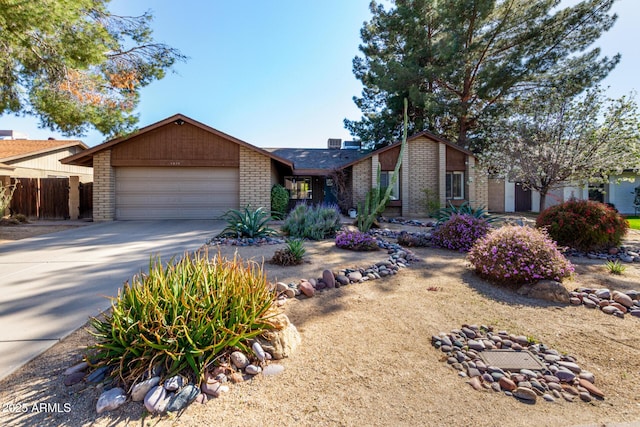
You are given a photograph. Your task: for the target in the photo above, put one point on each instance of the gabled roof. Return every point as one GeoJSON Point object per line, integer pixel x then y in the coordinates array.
{"type": "Point", "coordinates": [15, 149]}
{"type": "Point", "coordinates": [317, 161]}
{"type": "Point", "coordinates": [86, 157]}
{"type": "Point", "coordinates": [425, 134]}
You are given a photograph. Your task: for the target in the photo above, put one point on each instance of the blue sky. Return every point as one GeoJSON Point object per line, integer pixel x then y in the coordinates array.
{"type": "Point", "coordinates": [278, 72]}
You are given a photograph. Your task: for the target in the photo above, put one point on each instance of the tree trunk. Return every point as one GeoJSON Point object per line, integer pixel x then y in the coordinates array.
{"type": "Point", "coordinates": [543, 200]}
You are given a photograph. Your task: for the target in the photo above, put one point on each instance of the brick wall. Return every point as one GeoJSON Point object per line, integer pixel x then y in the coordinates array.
{"type": "Point", "coordinates": [479, 183]}
{"type": "Point", "coordinates": [422, 173]}
{"type": "Point", "coordinates": [361, 180]}
{"type": "Point", "coordinates": [104, 187]}
{"type": "Point", "coordinates": [255, 179]}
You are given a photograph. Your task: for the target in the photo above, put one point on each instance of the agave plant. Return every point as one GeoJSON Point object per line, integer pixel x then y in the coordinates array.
{"type": "Point", "coordinates": [247, 222]}
{"type": "Point", "coordinates": [465, 208]}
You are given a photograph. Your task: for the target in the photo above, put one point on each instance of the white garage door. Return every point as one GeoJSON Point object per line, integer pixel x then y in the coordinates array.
{"type": "Point", "coordinates": [175, 193]}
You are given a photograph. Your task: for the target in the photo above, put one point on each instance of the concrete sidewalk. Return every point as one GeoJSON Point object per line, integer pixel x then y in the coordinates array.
{"type": "Point", "coordinates": [50, 285]}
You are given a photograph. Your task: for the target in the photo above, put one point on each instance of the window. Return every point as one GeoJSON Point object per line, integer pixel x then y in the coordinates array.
{"type": "Point", "coordinates": [385, 180]}
{"type": "Point", "coordinates": [299, 187]}
{"type": "Point", "coordinates": [455, 185]}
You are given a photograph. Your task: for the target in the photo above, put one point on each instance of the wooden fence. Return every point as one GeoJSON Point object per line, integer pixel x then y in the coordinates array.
{"type": "Point", "coordinates": [41, 198]}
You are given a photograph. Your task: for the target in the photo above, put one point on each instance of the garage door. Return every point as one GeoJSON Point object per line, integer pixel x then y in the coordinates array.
{"type": "Point", "coordinates": [175, 193]}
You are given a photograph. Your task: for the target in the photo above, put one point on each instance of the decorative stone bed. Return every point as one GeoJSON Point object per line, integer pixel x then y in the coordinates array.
{"type": "Point", "coordinates": [557, 376]}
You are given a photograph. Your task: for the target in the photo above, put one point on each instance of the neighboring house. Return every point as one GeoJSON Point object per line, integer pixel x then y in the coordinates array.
{"type": "Point", "coordinates": [36, 161]}
{"type": "Point", "coordinates": [505, 196]}
{"type": "Point", "coordinates": [180, 168]}
{"type": "Point", "coordinates": [27, 158]}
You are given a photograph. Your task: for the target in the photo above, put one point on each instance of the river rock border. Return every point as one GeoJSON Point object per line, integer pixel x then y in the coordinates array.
{"type": "Point", "coordinates": [561, 379]}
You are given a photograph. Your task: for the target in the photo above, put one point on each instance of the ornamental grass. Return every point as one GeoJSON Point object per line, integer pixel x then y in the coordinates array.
{"type": "Point", "coordinates": [180, 317]}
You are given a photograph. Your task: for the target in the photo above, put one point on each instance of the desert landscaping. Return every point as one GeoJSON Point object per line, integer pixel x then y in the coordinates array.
{"type": "Point", "coordinates": [366, 355]}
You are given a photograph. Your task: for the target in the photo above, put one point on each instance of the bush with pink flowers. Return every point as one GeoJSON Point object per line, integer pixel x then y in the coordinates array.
{"type": "Point", "coordinates": [460, 232]}
{"type": "Point", "coordinates": [515, 254]}
{"type": "Point", "coordinates": [356, 241]}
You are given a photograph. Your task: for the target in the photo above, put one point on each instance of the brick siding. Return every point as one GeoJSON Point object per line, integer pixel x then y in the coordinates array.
{"type": "Point", "coordinates": [361, 180]}
{"type": "Point", "coordinates": [104, 187]}
{"type": "Point", "coordinates": [255, 179]}
{"type": "Point", "coordinates": [422, 174]}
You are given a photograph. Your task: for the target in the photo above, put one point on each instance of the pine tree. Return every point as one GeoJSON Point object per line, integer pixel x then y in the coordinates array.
{"type": "Point", "coordinates": [462, 61]}
{"type": "Point", "coordinates": [75, 65]}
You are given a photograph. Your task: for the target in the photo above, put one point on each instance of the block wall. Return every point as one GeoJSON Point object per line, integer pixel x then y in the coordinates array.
{"type": "Point", "coordinates": [255, 179]}
{"type": "Point", "coordinates": [104, 187]}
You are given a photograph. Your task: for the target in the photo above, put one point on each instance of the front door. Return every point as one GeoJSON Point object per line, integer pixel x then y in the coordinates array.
{"type": "Point", "coordinates": [330, 196]}
{"type": "Point", "coordinates": [523, 198]}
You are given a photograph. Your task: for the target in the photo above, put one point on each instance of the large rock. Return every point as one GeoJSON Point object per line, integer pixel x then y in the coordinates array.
{"type": "Point", "coordinates": [623, 299]}
{"type": "Point", "coordinates": [306, 288]}
{"type": "Point", "coordinates": [548, 290]}
{"type": "Point", "coordinates": [526, 394]}
{"type": "Point", "coordinates": [329, 278]}
{"type": "Point", "coordinates": [280, 343]}
{"type": "Point", "coordinates": [156, 400]}
{"type": "Point", "coordinates": [183, 398]}
{"type": "Point", "coordinates": [239, 359]}
{"type": "Point", "coordinates": [111, 399]}
{"type": "Point", "coordinates": [141, 389]}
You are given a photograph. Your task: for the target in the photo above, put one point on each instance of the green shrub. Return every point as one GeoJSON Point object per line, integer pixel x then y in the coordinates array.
{"type": "Point", "coordinates": [279, 201]}
{"type": "Point", "coordinates": [356, 241]}
{"type": "Point", "coordinates": [312, 222]}
{"type": "Point", "coordinates": [515, 254]}
{"type": "Point", "coordinates": [291, 255]}
{"type": "Point", "coordinates": [247, 223]}
{"type": "Point", "coordinates": [465, 208]}
{"type": "Point", "coordinates": [431, 201]}
{"type": "Point", "coordinates": [182, 317]}
{"type": "Point", "coordinates": [614, 267]}
{"type": "Point", "coordinates": [459, 232]}
{"type": "Point", "coordinates": [585, 225]}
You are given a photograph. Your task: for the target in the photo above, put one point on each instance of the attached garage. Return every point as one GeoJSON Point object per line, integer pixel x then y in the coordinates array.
{"type": "Point", "coordinates": [178, 169]}
{"type": "Point", "coordinates": [175, 193]}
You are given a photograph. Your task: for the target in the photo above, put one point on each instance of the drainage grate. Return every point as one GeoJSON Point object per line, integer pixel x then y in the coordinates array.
{"type": "Point", "coordinates": [511, 360]}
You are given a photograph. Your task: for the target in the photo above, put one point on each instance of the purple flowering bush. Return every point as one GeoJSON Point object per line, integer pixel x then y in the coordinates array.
{"type": "Point", "coordinates": [459, 232]}
{"type": "Point", "coordinates": [356, 241]}
{"type": "Point", "coordinates": [514, 254]}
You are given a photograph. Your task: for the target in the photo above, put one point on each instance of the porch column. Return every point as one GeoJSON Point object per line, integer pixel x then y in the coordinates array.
{"type": "Point", "coordinates": [375, 165]}
{"type": "Point", "coordinates": [405, 196]}
{"type": "Point", "coordinates": [442, 173]}
{"type": "Point", "coordinates": [74, 197]}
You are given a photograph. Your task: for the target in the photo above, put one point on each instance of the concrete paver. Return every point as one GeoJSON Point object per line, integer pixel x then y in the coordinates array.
{"type": "Point", "coordinates": [51, 284]}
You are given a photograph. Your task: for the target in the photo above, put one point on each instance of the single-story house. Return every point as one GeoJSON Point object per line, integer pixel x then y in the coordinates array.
{"type": "Point", "coordinates": [181, 168]}
{"type": "Point", "coordinates": [37, 161]}
{"type": "Point", "coordinates": [29, 158]}
{"type": "Point", "coordinates": [619, 191]}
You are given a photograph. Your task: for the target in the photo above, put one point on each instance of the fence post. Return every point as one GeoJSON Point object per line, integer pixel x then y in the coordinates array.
{"type": "Point", "coordinates": [74, 197]}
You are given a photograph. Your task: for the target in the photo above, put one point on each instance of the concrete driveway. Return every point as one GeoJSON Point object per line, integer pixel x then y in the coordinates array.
{"type": "Point", "coordinates": [51, 284]}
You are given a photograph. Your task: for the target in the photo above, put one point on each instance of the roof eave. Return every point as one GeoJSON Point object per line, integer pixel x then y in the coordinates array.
{"type": "Point", "coordinates": [44, 151]}
{"type": "Point", "coordinates": [77, 158]}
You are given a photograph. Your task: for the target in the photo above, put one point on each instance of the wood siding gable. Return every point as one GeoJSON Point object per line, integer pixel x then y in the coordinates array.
{"type": "Point", "coordinates": [176, 145]}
